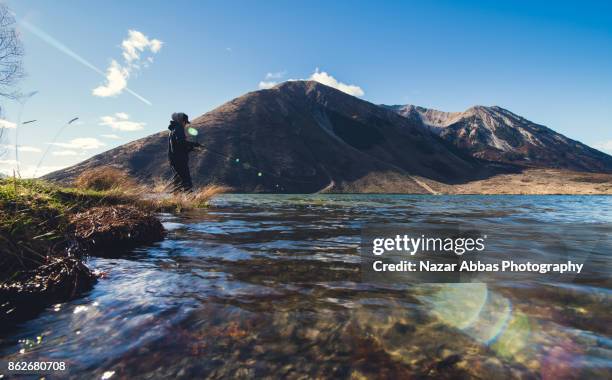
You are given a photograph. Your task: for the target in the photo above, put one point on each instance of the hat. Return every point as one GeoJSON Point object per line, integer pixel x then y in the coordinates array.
{"type": "Point", "coordinates": [180, 117]}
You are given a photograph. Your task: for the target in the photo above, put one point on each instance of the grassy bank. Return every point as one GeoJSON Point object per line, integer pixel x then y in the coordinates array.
{"type": "Point", "coordinates": [46, 230]}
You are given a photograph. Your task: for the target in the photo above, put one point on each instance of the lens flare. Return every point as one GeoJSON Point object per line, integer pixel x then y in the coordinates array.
{"type": "Point", "coordinates": [192, 131]}
{"type": "Point", "coordinates": [484, 315]}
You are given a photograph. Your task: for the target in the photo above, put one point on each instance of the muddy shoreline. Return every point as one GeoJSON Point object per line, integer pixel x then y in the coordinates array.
{"type": "Point", "coordinates": [46, 234]}
{"type": "Point", "coordinates": [47, 231]}
{"type": "Point", "coordinates": [62, 274]}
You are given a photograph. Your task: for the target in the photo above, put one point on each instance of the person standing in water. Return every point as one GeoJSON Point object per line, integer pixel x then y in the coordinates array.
{"type": "Point", "coordinates": [178, 152]}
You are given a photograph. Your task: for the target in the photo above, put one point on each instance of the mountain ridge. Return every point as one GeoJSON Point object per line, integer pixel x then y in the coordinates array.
{"type": "Point", "coordinates": [496, 134]}
{"type": "Point", "coordinates": [304, 137]}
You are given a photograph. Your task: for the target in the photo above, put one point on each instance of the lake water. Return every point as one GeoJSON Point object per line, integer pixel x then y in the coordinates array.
{"type": "Point", "coordinates": [271, 286]}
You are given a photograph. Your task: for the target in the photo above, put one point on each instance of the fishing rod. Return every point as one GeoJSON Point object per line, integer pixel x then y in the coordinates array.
{"type": "Point", "coordinates": [194, 132]}
{"type": "Point", "coordinates": [260, 172]}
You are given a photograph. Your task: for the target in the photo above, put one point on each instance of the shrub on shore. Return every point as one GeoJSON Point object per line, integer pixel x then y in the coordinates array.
{"type": "Point", "coordinates": [156, 197]}
{"type": "Point", "coordinates": [105, 178]}
{"type": "Point", "coordinates": [178, 202]}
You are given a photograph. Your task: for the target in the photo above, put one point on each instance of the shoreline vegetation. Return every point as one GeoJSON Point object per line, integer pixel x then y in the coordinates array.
{"type": "Point", "coordinates": [47, 231]}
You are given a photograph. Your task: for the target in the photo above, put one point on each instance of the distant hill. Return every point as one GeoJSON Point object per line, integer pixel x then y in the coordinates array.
{"type": "Point", "coordinates": [496, 134]}
{"type": "Point", "coordinates": [304, 137]}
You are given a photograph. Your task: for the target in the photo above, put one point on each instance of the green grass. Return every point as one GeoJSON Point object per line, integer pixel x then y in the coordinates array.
{"type": "Point", "coordinates": [34, 220]}
{"type": "Point", "coordinates": [35, 216]}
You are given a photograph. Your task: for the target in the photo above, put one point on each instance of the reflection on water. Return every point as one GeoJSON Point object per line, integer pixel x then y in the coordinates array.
{"type": "Point", "coordinates": [271, 286]}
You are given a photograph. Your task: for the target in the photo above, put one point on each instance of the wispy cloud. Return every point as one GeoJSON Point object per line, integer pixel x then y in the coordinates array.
{"type": "Point", "coordinates": [30, 171]}
{"type": "Point", "coordinates": [276, 75]}
{"type": "Point", "coordinates": [26, 171]}
{"type": "Point", "coordinates": [134, 48]}
{"type": "Point", "coordinates": [264, 85]}
{"type": "Point", "coordinates": [22, 148]}
{"type": "Point", "coordinates": [111, 136]}
{"type": "Point", "coordinates": [271, 79]}
{"type": "Point", "coordinates": [120, 121]}
{"type": "Point", "coordinates": [327, 79]}
{"type": "Point", "coordinates": [81, 143]}
{"type": "Point", "coordinates": [605, 146]}
{"type": "Point", "coordinates": [64, 49]}
{"type": "Point", "coordinates": [7, 124]}
{"type": "Point", "coordinates": [66, 153]}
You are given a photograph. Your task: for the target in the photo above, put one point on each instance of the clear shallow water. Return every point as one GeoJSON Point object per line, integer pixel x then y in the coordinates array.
{"type": "Point", "coordinates": [269, 285]}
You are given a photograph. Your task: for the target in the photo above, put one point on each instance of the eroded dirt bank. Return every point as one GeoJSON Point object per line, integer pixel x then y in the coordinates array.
{"type": "Point", "coordinates": [47, 232]}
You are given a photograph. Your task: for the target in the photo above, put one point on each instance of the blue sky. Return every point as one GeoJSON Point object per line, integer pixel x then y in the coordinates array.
{"type": "Point", "coordinates": [550, 62]}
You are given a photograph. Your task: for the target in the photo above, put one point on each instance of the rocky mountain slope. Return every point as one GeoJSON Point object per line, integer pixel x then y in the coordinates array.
{"type": "Point", "coordinates": [304, 137]}
{"type": "Point", "coordinates": [301, 136]}
{"type": "Point", "coordinates": [496, 134]}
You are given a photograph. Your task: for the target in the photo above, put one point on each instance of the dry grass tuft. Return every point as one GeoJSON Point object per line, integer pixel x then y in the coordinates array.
{"type": "Point", "coordinates": [199, 198]}
{"type": "Point", "coordinates": [160, 185]}
{"type": "Point", "coordinates": [105, 178]}
{"type": "Point", "coordinates": [204, 194]}
{"type": "Point", "coordinates": [155, 197]}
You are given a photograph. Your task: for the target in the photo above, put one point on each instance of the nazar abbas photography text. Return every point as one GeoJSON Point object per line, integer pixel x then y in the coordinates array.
{"type": "Point", "coordinates": [418, 250]}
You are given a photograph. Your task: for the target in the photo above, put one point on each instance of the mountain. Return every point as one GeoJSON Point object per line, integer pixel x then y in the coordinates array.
{"type": "Point", "coordinates": [496, 134]}
{"type": "Point", "coordinates": [302, 136]}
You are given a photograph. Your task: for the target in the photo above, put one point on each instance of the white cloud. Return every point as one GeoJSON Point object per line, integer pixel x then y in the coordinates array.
{"type": "Point", "coordinates": [117, 75]}
{"type": "Point", "coordinates": [319, 76]}
{"type": "Point", "coordinates": [276, 75]}
{"type": "Point", "coordinates": [267, 84]}
{"type": "Point", "coordinates": [605, 146]}
{"type": "Point", "coordinates": [29, 149]}
{"type": "Point", "coordinates": [116, 81]}
{"type": "Point", "coordinates": [22, 148]}
{"type": "Point", "coordinates": [29, 171]}
{"type": "Point", "coordinates": [326, 79]}
{"type": "Point", "coordinates": [7, 124]}
{"type": "Point", "coordinates": [111, 136]}
{"type": "Point", "coordinates": [120, 121]}
{"type": "Point", "coordinates": [82, 143]}
{"type": "Point", "coordinates": [66, 153]}
{"type": "Point", "coordinates": [271, 79]}
{"type": "Point", "coordinates": [26, 171]}
{"type": "Point", "coordinates": [137, 43]}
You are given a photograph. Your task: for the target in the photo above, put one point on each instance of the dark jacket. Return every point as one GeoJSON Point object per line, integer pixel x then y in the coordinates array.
{"type": "Point", "coordinates": [178, 146]}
